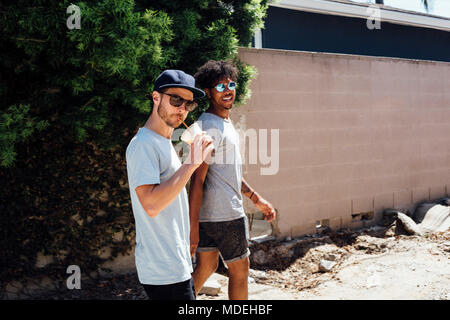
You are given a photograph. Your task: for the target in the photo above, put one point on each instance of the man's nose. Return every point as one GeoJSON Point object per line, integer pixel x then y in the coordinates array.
{"type": "Point", "coordinates": [183, 107]}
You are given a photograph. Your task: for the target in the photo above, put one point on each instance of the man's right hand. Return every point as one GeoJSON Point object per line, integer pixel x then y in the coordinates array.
{"type": "Point", "coordinates": [201, 149]}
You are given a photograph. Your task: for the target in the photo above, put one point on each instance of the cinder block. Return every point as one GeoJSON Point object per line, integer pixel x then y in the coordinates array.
{"type": "Point", "coordinates": [437, 192]}
{"type": "Point", "coordinates": [346, 221]}
{"type": "Point", "coordinates": [362, 205]}
{"type": "Point", "coordinates": [336, 223]}
{"type": "Point", "coordinates": [383, 201]}
{"type": "Point", "coordinates": [402, 198]}
{"type": "Point", "coordinates": [308, 228]}
{"type": "Point", "coordinates": [363, 188]}
{"type": "Point", "coordinates": [420, 195]}
{"type": "Point", "coordinates": [338, 173]}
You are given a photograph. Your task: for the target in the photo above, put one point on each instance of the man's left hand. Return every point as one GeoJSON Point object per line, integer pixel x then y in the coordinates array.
{"type": "Point", "coordinates": [266, 208]}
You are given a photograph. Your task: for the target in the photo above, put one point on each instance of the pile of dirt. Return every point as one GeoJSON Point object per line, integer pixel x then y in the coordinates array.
{"type": "Point", "coordinates": [304, 265]}
{"type": "Point", "coordinates": [306, 262]}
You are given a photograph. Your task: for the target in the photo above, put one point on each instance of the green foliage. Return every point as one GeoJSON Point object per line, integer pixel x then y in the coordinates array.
{"type": "Point", "coordinates": [65, 200]}
{"type": "Point", "coordinates": [16, 125]}
{"type": "Point", "coordinates": [70, 100]}
{"type": "Point", "coordinates": [86, 78]}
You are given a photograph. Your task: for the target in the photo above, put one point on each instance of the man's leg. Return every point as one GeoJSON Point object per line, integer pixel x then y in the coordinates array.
{"type": "Point", "coordinates": [238, 279]}
{"type": "Point", "coordinates": [207, 263]}
{"type": "Point", "coordinates": [233, 247]}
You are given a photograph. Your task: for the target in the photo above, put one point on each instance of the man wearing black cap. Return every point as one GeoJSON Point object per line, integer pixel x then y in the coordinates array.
{"type": "Point", "coordinates": [157, 182]}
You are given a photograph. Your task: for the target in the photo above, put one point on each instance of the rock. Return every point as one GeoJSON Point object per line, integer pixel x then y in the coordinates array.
{"type": "Point", "coordinates": [104, 196]}
{"type": "Point", "coordinates": [118, 236]}
{"type": "Point", "coordinates": [261, 275]}
{"type": "Point", "coordinates": [100, 213]}
{"type": "Point", "coordinates": [77, 218]}
{"type": "Point", "coordinates": [421, 210]}
{"type": "Point", "coordinates": [13, 290]}
{"type": "Point", "coordinates": [437, 219]}
{"type": "Point", "coordinates": [284, 251]}
{"type": "Point", "coordinates": [326, 266]}
{"type": "Point", "coordinates": [409, 224]}
{"type": "Point", "coordinates": [369, 243]}
{"type": "Point", "coordinates": [259, 257]}
{"type": "Point", "coordinates": [329, 257]}
{"type": "Point", "coordinates": [446, 246]}
{"type": "Point", "coordinates": [251, 280]}
{"type": "Point", "coordinates": [211, 288]}
{"type": "Point", "coordinates": [390, 232]}
{"type": "Point", "coordinates": [42, 260]}
{"type": "Point", "coordinates": [104, 253]}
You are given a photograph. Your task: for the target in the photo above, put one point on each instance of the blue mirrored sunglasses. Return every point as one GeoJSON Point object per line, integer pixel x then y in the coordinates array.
{"type": "Point", "coordinates": [221, 86]}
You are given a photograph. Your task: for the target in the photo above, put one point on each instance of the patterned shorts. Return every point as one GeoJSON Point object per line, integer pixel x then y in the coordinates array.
{"type": "Point", "coordinates": [229, 237]}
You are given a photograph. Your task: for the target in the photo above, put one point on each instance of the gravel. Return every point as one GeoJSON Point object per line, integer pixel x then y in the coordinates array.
{"type": "Point", "coordinates": [298, 268]}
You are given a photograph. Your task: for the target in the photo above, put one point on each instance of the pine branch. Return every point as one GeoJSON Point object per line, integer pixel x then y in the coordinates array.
{"type": "Point", "coordinates": [31, 39]}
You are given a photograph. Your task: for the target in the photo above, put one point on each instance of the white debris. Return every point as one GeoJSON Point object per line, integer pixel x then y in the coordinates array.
{"type": "Point", "coordinates": [211, 288]}
{"type": "Point", "coordinates": [326, 266]}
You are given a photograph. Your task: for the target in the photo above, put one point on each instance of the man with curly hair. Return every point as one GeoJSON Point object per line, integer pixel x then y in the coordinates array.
{"type": "Point", "coordinates": [218, 221]}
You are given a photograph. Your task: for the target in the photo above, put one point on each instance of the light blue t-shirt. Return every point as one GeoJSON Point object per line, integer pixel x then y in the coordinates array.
{"type": "Point", "coordinates": [162, 243]}
{"type": "Point", "coordinates": [222, 197]}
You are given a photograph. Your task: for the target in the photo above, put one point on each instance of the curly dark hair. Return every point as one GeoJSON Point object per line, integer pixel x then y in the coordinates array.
{"type": "Point", "coordinates": [212, 71]}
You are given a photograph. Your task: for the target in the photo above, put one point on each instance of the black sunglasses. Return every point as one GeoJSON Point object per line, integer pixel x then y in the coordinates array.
{"type": "Point", "coordinates": [178, 101]}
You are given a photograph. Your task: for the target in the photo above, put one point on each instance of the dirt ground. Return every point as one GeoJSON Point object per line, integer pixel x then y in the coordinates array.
{"type": "Point", "coordinates": [374, 263]}
{"type": "Point", "coordinates": [369, 264]}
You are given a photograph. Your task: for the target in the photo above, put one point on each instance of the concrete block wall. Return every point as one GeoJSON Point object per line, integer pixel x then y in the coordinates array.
{"type": "Point", "coordinates": [357, 134]}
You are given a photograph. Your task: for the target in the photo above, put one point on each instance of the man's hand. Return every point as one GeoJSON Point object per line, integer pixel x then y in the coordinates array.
{"type": "Point", "coordinates": [266, 208]}
{"type": "Point", "coordinates": [201, 149]}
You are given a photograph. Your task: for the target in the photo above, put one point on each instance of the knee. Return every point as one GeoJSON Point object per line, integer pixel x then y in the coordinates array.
{"type": "Point", "coordinates": [239, 269]}
{"type": "Point", "coordinates": [209, 266]}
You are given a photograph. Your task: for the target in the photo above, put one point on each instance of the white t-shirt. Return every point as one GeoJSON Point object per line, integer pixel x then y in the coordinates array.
{"type": "Point", "coordinates": [162, 243]}
{"type": "Point", "coordinates": [222, 198]}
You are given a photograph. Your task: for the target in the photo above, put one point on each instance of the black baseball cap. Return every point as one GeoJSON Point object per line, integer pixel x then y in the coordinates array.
{"type": "Point", "coordinates": [178, 79]}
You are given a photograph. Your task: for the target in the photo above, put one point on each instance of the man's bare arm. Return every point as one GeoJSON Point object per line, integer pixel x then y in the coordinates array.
{"type": "Point", "coordinates": [155, 197]}
{"type": "Point", "coordinates": [195, 202]}
{"type": "Point", "coordinates": [264, 206]}
{"type": "Point", "coordinates": [248, 191]}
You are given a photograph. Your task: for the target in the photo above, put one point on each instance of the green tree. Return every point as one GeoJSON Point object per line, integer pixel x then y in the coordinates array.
{"type": "Point", "coordinates": [84, 78]}
{"type": "Point", "coordinates": [71, 99]}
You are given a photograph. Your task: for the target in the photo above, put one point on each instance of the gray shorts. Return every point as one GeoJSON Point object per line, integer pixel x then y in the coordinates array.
{"type": "Point", "coordinates": [230, 238]}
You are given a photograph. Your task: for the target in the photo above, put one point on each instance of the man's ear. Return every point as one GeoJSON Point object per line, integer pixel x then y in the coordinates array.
{"type": "Point", "coordinates": [208, 92]}
{"type": "Point", "coordinates": [156, 96]}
